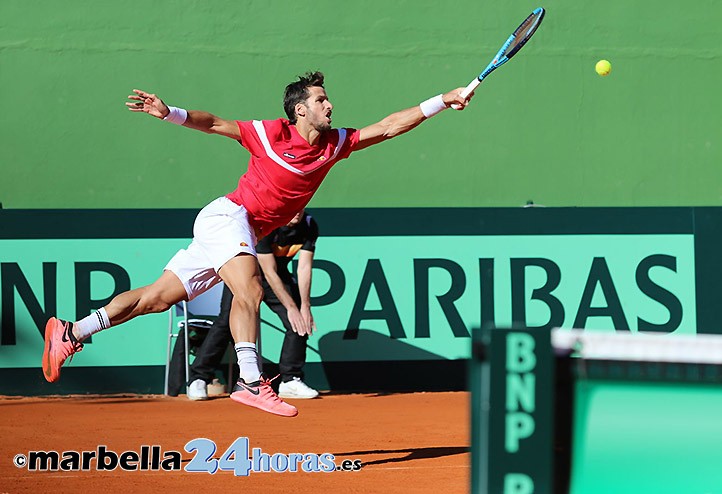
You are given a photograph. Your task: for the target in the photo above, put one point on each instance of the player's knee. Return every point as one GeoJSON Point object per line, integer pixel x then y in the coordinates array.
{"type": "Point", "coordinates": [250, 297]}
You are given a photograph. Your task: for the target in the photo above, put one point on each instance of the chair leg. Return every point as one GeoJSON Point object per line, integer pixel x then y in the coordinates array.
{"type": "Point", "coordinates": [229, 381]}
{"type": "Point", "coordinates": [185, 338]}
{"type": "Point", "coordinates": [167, 355]}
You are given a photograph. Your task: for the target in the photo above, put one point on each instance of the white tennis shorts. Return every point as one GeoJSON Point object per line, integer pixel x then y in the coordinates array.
{"type": "Point", "coordinates": [221, 231]}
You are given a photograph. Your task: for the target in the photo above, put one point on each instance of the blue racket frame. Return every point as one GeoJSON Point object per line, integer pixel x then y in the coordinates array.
{"type": "Point", "coordinates": [500, 59]}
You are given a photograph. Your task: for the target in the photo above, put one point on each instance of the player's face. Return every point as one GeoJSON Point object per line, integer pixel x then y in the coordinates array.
{"type": "Point", "coordinates": [318, 109]}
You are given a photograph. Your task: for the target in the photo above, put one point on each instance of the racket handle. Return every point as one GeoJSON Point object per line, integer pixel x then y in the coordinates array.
{"type": "Point", "coordinates": [467, 91]}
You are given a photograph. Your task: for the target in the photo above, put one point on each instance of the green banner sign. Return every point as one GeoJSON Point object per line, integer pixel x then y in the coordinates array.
{"type": "Point", "coordinates": [404, 297]}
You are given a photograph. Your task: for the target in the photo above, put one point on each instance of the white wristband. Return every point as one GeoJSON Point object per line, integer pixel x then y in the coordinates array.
{"type": "Point", "coordinates": [432, 106]}
{"type": "Point", "coordinates": [176, 115]}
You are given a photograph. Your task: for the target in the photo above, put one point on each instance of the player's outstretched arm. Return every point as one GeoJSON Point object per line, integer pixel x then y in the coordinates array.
{"type": "Point", "coordinates": [143, 102]}
{"type": "Point", "coordinates": [403, 121]}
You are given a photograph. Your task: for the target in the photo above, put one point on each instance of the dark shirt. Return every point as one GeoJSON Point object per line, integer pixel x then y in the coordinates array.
{"type": "Point", "coordinates": [286, 241]}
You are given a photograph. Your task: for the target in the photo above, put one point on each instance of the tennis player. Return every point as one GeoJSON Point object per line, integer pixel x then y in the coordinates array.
{"type": "Point", "coordinates": [289, 159]}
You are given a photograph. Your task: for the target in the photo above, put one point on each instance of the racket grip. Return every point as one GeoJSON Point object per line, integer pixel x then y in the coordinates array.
{"type": "Point", "coordinates": [467, 91]}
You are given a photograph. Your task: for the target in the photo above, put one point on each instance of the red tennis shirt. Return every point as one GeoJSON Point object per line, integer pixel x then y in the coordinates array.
{"type": "Point", "coordinates": [284, 170]}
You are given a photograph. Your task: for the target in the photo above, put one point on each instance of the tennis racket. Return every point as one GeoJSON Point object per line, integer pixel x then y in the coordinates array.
{"type": "Point", "coordinates": [512, 46]}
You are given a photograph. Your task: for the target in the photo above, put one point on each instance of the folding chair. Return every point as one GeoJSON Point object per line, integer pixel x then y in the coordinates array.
{"type": "Point", "coordinates": [204, 308]}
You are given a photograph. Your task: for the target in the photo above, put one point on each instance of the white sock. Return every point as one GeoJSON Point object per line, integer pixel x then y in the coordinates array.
{"type": "Point", "coordinates": [247, 361]}
{"type": "Point", "coordinates": [95, 322]}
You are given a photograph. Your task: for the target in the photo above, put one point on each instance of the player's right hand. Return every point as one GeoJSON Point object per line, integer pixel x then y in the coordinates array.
{"type": "Point", "coordinates": [147, 103]}
{"type": "Point", "coordinates": [455, 100]}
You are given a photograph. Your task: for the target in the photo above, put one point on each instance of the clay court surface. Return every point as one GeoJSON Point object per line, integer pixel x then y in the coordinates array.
{"type": "Point", "coordinates": [407, 442]}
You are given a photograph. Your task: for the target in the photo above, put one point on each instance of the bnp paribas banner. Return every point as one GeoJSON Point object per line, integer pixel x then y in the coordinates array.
{"type": "Point", "coordinates": [388, 284]}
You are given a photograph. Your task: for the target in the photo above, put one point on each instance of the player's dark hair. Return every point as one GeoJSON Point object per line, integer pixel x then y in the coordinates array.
{"type": "Point", "coordinates": [297, 92]}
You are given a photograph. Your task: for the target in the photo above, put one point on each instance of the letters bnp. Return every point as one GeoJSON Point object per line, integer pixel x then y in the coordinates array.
{"type": "Point", "coordinates": [520, 404]}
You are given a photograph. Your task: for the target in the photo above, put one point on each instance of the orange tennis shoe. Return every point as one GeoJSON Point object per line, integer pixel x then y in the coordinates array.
{"type": "Point", "coordinates": [259, 394]}
{"type": "Point", "coordinates": [60, 343]}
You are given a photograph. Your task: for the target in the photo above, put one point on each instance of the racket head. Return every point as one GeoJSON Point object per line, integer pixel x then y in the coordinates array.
{"type": "Point", "coordinates": [524, 32]}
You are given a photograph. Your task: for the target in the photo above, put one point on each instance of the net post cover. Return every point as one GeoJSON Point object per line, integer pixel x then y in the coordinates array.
{"type": "Point", "coordinates": [512, 410]}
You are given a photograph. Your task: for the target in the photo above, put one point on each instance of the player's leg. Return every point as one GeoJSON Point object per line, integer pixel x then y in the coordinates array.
{"type": "Point", "coordinates": [188, 274]}
{"type": "Point", "coordinates": [242, 275]}
{"type": "Point", "coordinates": [226, 240]}
{"type": "Point", "coordinates": [160, 296]}
{"type": "Point", "coordinates": [64, 338]}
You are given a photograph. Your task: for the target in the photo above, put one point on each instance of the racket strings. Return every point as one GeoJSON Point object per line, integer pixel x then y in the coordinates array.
{"type": "Point", "coordinates": [524, 32]}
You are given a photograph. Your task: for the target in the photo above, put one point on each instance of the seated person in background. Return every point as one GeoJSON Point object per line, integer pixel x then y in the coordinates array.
{"type": "Point", "coordinates": [288, 297]}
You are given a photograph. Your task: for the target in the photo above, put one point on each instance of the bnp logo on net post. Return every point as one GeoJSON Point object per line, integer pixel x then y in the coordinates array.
{"type": "Point", "coordinates": [521, 412]}
{"type": "Point", "coordinates": [520, 399]}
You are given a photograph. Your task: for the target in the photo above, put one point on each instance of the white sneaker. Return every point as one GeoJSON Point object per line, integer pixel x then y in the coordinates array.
{"type": "Point", "coordinates": [197, 390]}
{"type": "Point", "coordinates": [296, 389]}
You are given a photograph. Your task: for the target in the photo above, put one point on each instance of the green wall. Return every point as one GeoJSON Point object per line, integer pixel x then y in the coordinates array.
{"type": "Point", "coordinates": [545, 127]}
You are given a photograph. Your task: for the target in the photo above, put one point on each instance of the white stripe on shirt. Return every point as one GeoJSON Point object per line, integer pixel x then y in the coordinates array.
{"type": "Point", "coordinates": [261, 131]}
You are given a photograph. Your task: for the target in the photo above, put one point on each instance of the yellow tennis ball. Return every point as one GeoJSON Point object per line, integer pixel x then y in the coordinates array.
{"type": "Point", "coordinates": [603, 67]}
